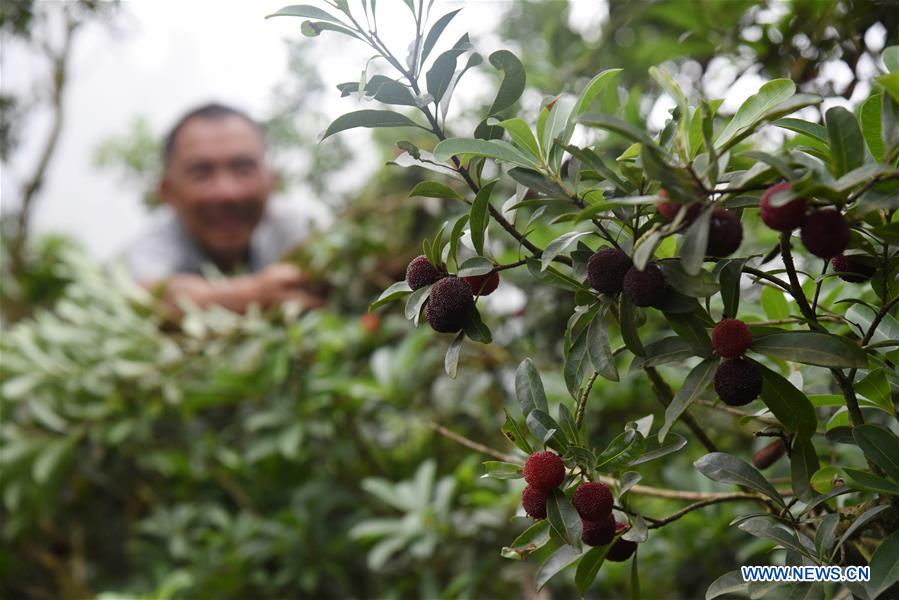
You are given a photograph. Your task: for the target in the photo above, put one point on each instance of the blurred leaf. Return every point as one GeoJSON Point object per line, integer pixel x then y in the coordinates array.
{"type": "Point", "coordinates": [302, 10]}
{"type": "Point", "coordinates": [774, 303]}
{"type": "Point", "coordinates": [657, 450]}
{"type": "Point", "coordinates": [858, 525]}
{"type": "Point", "coordinates": [502, 470]}
{"type": "Point", "coordinates": [729, 583]}
{"type": "Point", "coordinates": [725, 468]}
{"type": "Point", "coordinates": [396, 291]}
{"type": "Point", "coordinates": [495, 149]}
{"type": "Point", "coordinates": [865, 481]}
{"type": "Point", "coordinates": [557, 561]}
{"type": "Point", "coordinates": [628, 319]}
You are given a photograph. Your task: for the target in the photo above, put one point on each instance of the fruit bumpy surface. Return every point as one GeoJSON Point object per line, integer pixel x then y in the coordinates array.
{"type": "Point", "coordinates": [534, 501]}
{"type": "Point", "coordinates": [738, 382]}
{"type": "Point", "coordinates": [598, 533]}
{"type": "Point", "coordinates": [606, 270]}
{"type": "Point", "coordinates": [592, 501]}
{"type": "Point", "coordinates": [621, 550]}
{"type": "Point", "coordinates": [850, 269]}
{"type": "Point", "coordinates": [483, 285]}
{"type": "Point", "coordinates": [646, 287]}
{"type": "Point", "coordinates": [421, 272]}
{"type": "Point", "coordinates": [544, 470]}
{"type": "Point", "coordinates": [731, 338]}
{"type": "Point", "coordinates": [449, 305]}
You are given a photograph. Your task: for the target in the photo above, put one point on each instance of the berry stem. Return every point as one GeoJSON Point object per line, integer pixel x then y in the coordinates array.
{"type": "Point", "coordinates": [582, 401]}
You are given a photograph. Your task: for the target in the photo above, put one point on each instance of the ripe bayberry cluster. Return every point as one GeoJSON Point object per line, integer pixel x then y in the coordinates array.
{"type": "Point", "coordinates": [610, 271]}
{"type": "Point", "coordinates": [737, 380]}
{"type": "Point", "coordinates": [544, 472]}
{"type": "Point", "coordinates": [452, 298]}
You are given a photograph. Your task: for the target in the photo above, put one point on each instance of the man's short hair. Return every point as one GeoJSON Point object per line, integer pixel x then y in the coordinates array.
{"type": "Point", "coordinates": [213, 111]}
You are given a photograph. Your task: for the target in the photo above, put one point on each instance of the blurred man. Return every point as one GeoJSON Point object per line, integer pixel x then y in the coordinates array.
{"type": "Point", "coordinates": [215, 187]}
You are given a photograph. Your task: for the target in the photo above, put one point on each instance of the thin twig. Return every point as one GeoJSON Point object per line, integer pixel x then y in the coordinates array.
{"type": "Point", "coordinates": [707, 502]}
{"type": "Point", "coordinates": [582, 401]}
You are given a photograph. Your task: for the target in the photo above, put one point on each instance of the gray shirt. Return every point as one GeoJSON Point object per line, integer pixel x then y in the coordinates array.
{"type": "Point", "coordinates": [166, 248]}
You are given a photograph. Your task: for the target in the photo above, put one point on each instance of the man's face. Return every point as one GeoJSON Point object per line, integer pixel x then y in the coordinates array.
{"type": "Point", "coordinates": [218, 183]}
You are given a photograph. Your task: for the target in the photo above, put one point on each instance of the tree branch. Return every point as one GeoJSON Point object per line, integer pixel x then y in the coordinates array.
{"type": "Point", "coordinates": [665, 395]}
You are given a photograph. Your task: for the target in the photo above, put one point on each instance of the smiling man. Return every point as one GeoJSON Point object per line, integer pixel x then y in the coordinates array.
{"type": "Point", "coordinates": [215, 187]}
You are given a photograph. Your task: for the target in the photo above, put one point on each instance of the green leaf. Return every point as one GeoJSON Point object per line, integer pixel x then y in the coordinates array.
{"type": "Point", "coordinates": [694, 243]}
{"type": "Point", "coordinates": [847, 146]}
{"type": "Point", "coordinates": [533, 538]}
{"type": "Point", "coordinates": [514, 434]}
{"type": "Point", "coordinates": [309, 12]}
{"type": "Point", "coordinates": [812, 348]}
{"type": "Point", "coordinates": [514, 79]}
{"type": "Point", "coordinates": [729, 274]}
{"type": "Point", "coordinates": [725, 468]}
{"type": "Point", "coordinates": [663, 351]}
{"type": "Point", "coordinates": [761, 527]}
{"type": "Point", "coordinates": [593, 89]}
{"type": "Point", "coordinates": [885, 561]}
{"type": "Point", "coordinates": [629, 333]}
{"type": "Point", "coordinates": [876, 388]}
{"type": "Point", "coordinates": [529, 388]}
{"type": "Point", "coordinates": [475, 328]}
{"type": "Point", "coordinates": [495, 149]}
{"type": "Point", "coordinates": [890, 82]}
{"type": "Point", "coordinates": [890, 57]}
{"type": "Point", "coordinates": [870, 117]}
{"type": "Point", "coordinates": [729, 583]}
{"type": "Point", "coordinates": [654, 453]}
{"type": "Point", "coordinates": [812, 130]}
{"type": "Point", "coordinates": [416, 301]}
{"type": "Point", "coordinates": [502, 470]}
{"type": "Point", "coordinates": [866, 482]}
{"type": "Point", "coordinates": [754, 108]}
{"type": "Point", "coordinates": [589, 566]}
{"type": "Point", "coordinates": [774, 303]}
{"type": "Point", "coordinates": [623, 449]}
{"type": "Point", "coordinates": [441, 73]}
{"type": "Point", "coordinates": [694, 385]}
{"type": "Point", "coordinates": [558, 245]}
{"type": "Point", "coordinates": [521, 134]}
{"type": "Point", "coordinates": [858, 525]}
{"type": "Point", "coordinates": [396, 291]}
{"type": "Point", "coordinates": [599, 350]}
{"type": "Point", "coordinates": [434, 33]}
{"type": "Point", "coordinates": [563, 518]}
{"type": "Point", "coordinates": [451, 360]}
{"type": "Point", "coordinates": [803, 463]}
{"type": "Point", "coordinates": [370, 119]}
{"type": "Point", "coordinates": [434, 189]}
{"type": "Point", "coordinates": [881, 446]}
{"type": "Point", "coordinates": [559, 560]}
{"type": "Point", "coordinates": [788, 404]}
{"type": "Point", "coordinates": [476, 265]}
{"type": "Point", "coordinates": [577, 362]}
{"type": "Point", "coordinates": [536, 181]}
{"type": "Point", "coordinates": [314, 29]}
{"type": "Point", "coordinates": [478, 216]}
{"type": "Point", "coordinates": [699, 284]}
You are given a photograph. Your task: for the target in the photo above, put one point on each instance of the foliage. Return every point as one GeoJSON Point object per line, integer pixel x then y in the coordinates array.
{"type": "Point", "coordinates": [602, 197]}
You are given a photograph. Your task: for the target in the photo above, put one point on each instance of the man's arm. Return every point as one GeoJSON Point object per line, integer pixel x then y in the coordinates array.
{"type": "Point", "coordinates": [276, 284]}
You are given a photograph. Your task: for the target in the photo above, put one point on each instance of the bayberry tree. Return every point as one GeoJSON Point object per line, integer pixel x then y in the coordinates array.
{"type": "Point", "coordinates": [679, 231]}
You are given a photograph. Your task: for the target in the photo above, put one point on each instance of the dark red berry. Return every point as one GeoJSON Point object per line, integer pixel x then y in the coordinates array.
{"type": "Point", "coordinates": [592, 501]}
{"type": "Point", "coordinates": [781, 218]}
{"type": "Point", "coordinates": [621, 550]}
{"type": "Point", "coordinates": [738, 381]}
{"type": "Point", "coordinates": [534, 501]}
{"type": "Point", "coordinates": [449, 305]}
{"type": "Point", "coordinates": [606, 270]}
{"type": "Point", "coordinates": [598, 533]}
{"type": "Point", "coordinates": [725, 233]}
{"type": "Point", "coordinates": [646, 287]}
{"type": "Point", "coordinates": [731, 338]}
{"type": "Point", "coordinates": [544, 470]}
{"type": "Point", "coordinates": [483, 285]}
{"type": "Point", "coordinates": [825, 233]}
{"type": "Point", "coordinates": [851, 269]}
{"type": "Point", "coordinates": [421, 272]}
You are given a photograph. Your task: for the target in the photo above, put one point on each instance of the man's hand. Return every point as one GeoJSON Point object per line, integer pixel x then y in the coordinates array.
{"type": "Point", "coordinates": [274, 285]}
{"type": "Point", "coordinates": [283, 282]}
